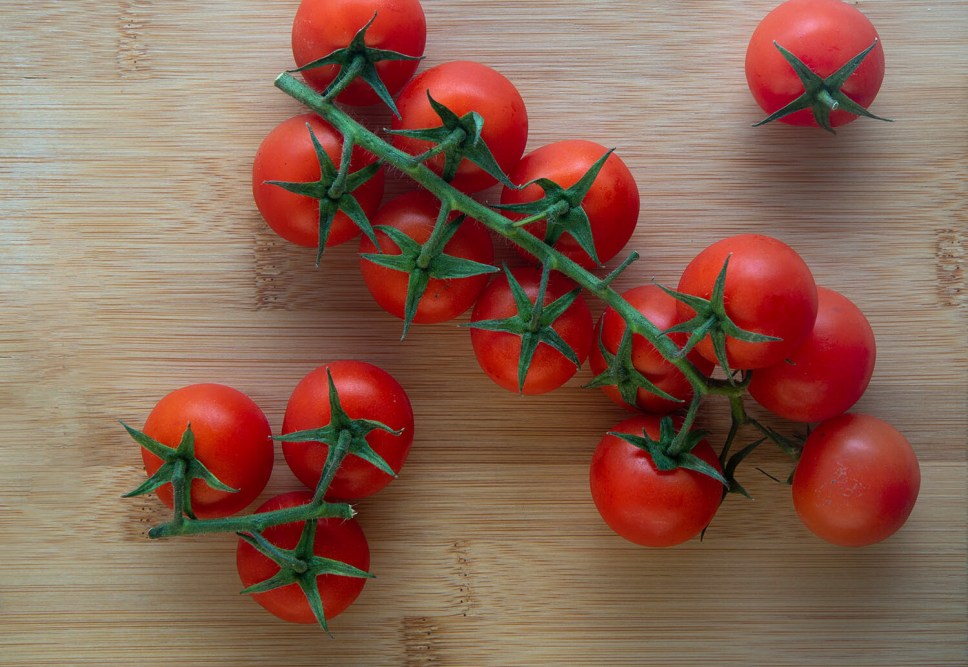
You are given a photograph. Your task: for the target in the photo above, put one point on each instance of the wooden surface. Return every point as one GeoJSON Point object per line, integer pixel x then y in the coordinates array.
{"type": "Point", "coordinates": [132, 261]}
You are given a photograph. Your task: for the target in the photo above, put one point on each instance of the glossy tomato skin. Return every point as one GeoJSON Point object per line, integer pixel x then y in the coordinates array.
{"type": "Point", "coordinates": [660, 309]}
{"type": "Point", "coordinates": [323, 26]}
{"type": "Point", "coordinates": [824, 34]}
{"type": "Point", "coordinates": [769, 290]}
{"type": "Point", "coordinates": [463, 87]}
{"type": "Point", "coordinates": [365, 392]}
{"type": "Point", "coordinates": [643, 504]}
{"type": "Point", "coordinates": [857, 480]}
{"type": "Point", "coordinates": [287, 154]}
{"type": "Point", "coordinates": [827, 374]}
{"type": "Point", "coordinates": [612, 203]}
{"type": "Point", "coordinates": [498, 352]}
{"type": "Point", "coordinates": [232, 439]}
{"type": "Point", "coordinates": [338, 539]}
{"type": "Point", "coordinates": [415, 214]}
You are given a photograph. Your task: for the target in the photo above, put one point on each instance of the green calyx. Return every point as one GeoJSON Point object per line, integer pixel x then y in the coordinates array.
{"type": "Point", "coordinates": [357, 60]}
{"type": "Point", "coordinates": [622, 373]}
{"type": "Point", "coordinates": [425, 261]}
{"type": "Point", "coordinates": [673, 450]}
{"type": "Point", "coordinates": [562, 210]}
{"type": "Point", "coordinates": [533, 322]}
{"type": "Point", "coordinates": [822, 96]}
{"type": "Point", "coordinates": [334, 191]}
{"type": "Point", "coordinates": [457, 138]}
{"type": "Point", "coordinates": [712, 320]}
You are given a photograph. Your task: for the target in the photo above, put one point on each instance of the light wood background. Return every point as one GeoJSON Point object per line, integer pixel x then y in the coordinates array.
{"type": "Point", "coordinates": [132, 261]}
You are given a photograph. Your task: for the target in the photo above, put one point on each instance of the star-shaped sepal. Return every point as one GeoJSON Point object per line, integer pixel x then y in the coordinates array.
{"type": "Point", "coordinates": [673, 450]}
{"type": "Point", "coordinates": [623, 375]}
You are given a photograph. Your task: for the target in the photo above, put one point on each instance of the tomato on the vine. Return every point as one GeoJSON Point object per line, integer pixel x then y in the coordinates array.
{"type": "Point", "coordinates": [828, 372]}
{"type": "Point", "coordinates": [287, 155]}
{"type": "Point", "coordinates": [824, 36]}
{"type": "Point", "coordinates": [322, 27]}
{"type": "Point", "coordinates": [464, 87]}
{"type": "Point", "coordinates": [611, 204]}
{"type": "Point", "coordinates": [232, 439]}
{"type": "Point", "coordinates": [857, 480]}
{"type": "Point", "coordinates": [365, 392]}
{"type": "Point", "coordinates": [337, 539]}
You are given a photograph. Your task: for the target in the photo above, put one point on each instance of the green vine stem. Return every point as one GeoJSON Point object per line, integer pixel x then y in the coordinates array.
{"type": "Point", "coordinates": [253, 523]}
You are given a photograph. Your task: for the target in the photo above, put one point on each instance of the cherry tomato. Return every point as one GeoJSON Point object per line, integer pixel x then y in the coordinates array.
{"type": "Point", "coordinates": [824, 35]}
{"type": "Point", "coordinates": [826, 374]}
{"type": "Point", "coordinates": [857, 480]}
{"type": "Point", "coordinates": [661, 310]}
{"type": "Point", "coordinates": [338, 539]}
{"type": "Point", "coordinates": [612, 203]}
{"type": "Point", "coordinates": [365, 392]}
{"type": "Point", "coordinates": [287, 154]}
{"type": "Point", "coordinates": [415, 213]}
{"type": "Point", "coordinates": [232, 440]}
{"type": "Point", "coordinates": [324, 26]}
{"type": "Point", "coordinates": [643, 504]}
{"type": "Point", "coordinates": [769, 290]}
{"type": "Point", "coordinates": [463, 87]}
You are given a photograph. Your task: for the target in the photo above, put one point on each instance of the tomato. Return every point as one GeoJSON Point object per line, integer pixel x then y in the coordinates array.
{"type": "Point", "coordinates": [857, 480]}
{"type": "Point", "coordinates": [826, 374]}
{"type": "Point", "coordinates": [645, 505]}
{"type": "Point", "coordinates": [499, 352]}
{"type": "Point", "coordinates": [365, 392]}
{"type": "Point", "coordinates": [611, 204]}
{"type": "Point", "coordinates": [465, 87]}
{"type": "Point", "coordinates": [824, 35]}
{"type": "Point", "coordinates": [321, 27]}
{"type": "Point", "coordinates": [287, 154]}
{"type": "Point", "coordinates": [769, 290]}
{"type": "Point", "coordinates": [232, 440]}
{"type": "Point", "coordinates": [338, 539]}
{"type": "Point", "coordinates": [660, 309]}
{"type": "Point", "coordinates": [415, 213]}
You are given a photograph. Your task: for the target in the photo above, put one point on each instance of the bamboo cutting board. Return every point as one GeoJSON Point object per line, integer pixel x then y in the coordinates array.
{"type": "Point", "coordinates": [132, 262]}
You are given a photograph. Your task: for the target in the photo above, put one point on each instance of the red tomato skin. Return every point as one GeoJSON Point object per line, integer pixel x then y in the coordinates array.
{"type": "Point", "coordinates": [287, 154]}
{"type": "Point", "coordinates": [824, 34]}
{"type": "Point", "coordinates": [661, 310]}
{"type": "Point", "coordinates": [498, 352]}
{"type": "Point", "coordinates": [232, 439]}
{"type": "Point", "coordinates": [463, 87]}
{"type": "Point", "coordinates": [415, 213]}
{"type": "Point", "coordinates": [323, 26]}
{"type": "Point", "coordinates": [857, 480]}
{"type": "Point", "coordinates": [769, 290]}
{"type": "Point", "coordinates": [828, 373]}
{"type": "Point", "coordinates": [366, 392]}
{"type": "Point", "coordinates": [647, 506]}
{"type": "Point", "coordinates": [612, 203]}
{"type": "Point", "coordinates": [339, 539]}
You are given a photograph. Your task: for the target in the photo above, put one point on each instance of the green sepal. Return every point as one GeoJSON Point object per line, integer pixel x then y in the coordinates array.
{"type": "Point", "coordinates": [357, 60]}
{"type": "Point", "coordinates": [820, 95]}
{"type": "Point", "coordinates": [672, 450]}
{"type": "Point", "coordinates": [621, 373]}
{"type": "Point", "coordinates": [730, 466]}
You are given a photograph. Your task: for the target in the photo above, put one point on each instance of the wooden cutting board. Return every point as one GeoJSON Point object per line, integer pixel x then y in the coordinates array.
{"type": "Point", "coordinates": [132, 262]}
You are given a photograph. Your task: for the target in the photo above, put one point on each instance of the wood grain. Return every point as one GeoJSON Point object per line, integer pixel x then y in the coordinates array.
{"type": "Point", "coordinates": [132, 261]}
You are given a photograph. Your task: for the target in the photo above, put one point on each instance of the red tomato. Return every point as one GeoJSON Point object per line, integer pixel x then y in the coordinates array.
{"type": "Point", "coordinates": [612, 203]}
{"type": "Point", "coordinates": [769, 290]}
{"type": "Point", "coordinates": [415, 213]}
{"type": "Point", "coordinates": [232, 439]}
{"type": "Point", "coordinates": [661, 310]}
{"type": "Point", "coordinates": [338, 539]}
{"type": "Point", "coordinates": [498, 352]}
{"type": "Point", "coordinates": [857, 480]}
{"type": "Point", "coordinates": [643, 504]}
{"type": "Point", "coordinates": [828, 373]}
{"type": "Point", "coordinates": [287, 154]}
{"type": "Point", "coordinates": [464, 87]}
{"type": "Point", "coordinates": [324, 26]}
{"type": "Point", "coordinates": [365, 392]}
{"type": "Point", "coordinates": [824, 35]}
